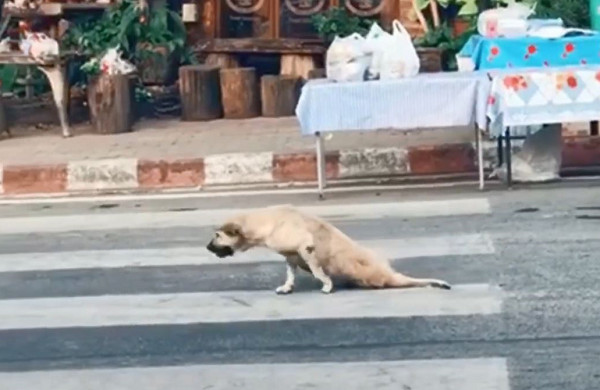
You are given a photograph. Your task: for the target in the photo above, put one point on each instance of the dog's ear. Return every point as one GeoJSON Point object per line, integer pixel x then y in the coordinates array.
{"type": "Point", "coordinates": [231, 229]}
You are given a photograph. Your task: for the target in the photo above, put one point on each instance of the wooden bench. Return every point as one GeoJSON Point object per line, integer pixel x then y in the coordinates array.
{"type": "Point", "coordinates": [297, 57]}
{"type": "Point", "coordinates": [54, 70]}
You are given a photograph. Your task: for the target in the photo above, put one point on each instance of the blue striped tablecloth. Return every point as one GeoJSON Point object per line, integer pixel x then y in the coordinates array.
{"type": "Point", "coordinates": [445, 99]}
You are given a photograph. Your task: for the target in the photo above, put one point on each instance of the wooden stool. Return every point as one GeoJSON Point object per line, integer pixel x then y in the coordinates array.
{"type": "Point", "coordinates": [200, 91]}
{"type": "Point", "coordinates": [111, 103]}
{"type": "Point", "coordinates": [222, 60]}
{"type": "Point", "coordinates": [279, 95]}
{"type": "Point", "coordinates": [297, 64]}
{"type": "Point", "coordinates": [239, 93]}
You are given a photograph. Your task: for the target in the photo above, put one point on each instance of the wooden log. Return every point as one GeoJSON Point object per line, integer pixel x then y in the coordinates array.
{"type": "Point", "coordinates": [297, 65]}
{"type": "Point", "coordinates": [279, 95]}
{"type": "Point", "coordinates": [318, 73]}
{"type": "Point", "coordinates": [200, 91]}
{"type": "Point", "coordinates": [111, 101]}
{"type": "Point", "coordinates": [239, 93]}
{"type": "Point", "coordinates": [222, 60]}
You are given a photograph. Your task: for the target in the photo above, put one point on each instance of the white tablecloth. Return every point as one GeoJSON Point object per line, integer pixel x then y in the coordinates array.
{"type": "Point", "coordinates": [428, 100]}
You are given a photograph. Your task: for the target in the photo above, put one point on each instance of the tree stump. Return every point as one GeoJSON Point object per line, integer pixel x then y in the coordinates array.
{"type": "Point", "coordinates": [318, 73]}
{"type": "Point", "coordinates": [222, 60]}
{"type": "Point", "coordinates": [297, 65]}
{"type": "Point", "coordinates": [239, 93]}
{"type": "Point", "coordinates": [279, 95]}
{"type": "Point", "coordinates": [200, 91]}
{"type": "Point", "coordinates": [111, 99]}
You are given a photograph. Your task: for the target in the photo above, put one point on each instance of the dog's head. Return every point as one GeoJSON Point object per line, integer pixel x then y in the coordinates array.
{"type": "Point", "coordinates": [227, 240]}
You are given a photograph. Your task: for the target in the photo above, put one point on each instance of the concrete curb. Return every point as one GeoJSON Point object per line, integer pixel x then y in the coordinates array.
{"type": "Point", "coordinates": [263, 168]}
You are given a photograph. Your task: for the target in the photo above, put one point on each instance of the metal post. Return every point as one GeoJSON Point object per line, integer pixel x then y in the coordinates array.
{"type": "Point", "coordinates": [500, 151]}
{"type": "Point", "coordinates": [480, 158]}
{"type": "Point", "coordinates": [321, 179]}
{"type": "Point", "coordinates": [508, 159]}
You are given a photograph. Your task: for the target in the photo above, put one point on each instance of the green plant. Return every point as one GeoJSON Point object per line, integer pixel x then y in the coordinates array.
{"type": "Point", "coordinates": [467, 7]}
{"type": "Point", "coordinates": [443, 39]}
{"type": "Point", "coordinates": [9, 75]}
{"type": "Point", "coordinates": [137, 33]}
{"type": "Point", "coordinates": [433, 5]}
{"type": "Point", "coordinates": [574, 13]}
{"type": "Point", "coordinates": [337, 21]}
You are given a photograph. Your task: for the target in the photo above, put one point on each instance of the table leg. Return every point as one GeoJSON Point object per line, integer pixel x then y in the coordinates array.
{"type": "Point", "coordinates": [508, 159]}
{"type": "Point", "coordinates": [321, 179]}
{"type": "Point", "coordinates": [480, 158]}
{"type": "Point", "coordinates": [500, 151]}
{"type": "Point", "coordinates": [594, 128]}
{"type": "Point", "coordinates": [56, 77]}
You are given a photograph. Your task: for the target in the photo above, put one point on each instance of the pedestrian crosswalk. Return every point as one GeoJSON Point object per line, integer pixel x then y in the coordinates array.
{"type": "Point", "coordinates": [88, 317]}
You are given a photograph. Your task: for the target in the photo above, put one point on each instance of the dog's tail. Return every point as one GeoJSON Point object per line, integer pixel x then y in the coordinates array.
{"type": "Point", "coordinates": [399, 280]}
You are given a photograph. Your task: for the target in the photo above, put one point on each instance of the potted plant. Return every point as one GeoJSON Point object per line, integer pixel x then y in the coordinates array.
{"type": "Point", "coordinates": [337, 21]}
{"type": "Point", "coordinates": [160, 46]}
{"type": "Point", "coordinates": [153, 40]}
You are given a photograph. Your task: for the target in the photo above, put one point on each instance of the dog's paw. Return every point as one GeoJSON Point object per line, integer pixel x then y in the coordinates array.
{"type": "Point", "coordinates": [441, 284]}
{"type": "Point", "coordinates": [281, 290]}
{"type": "Point", "coordinates": [327, 289]}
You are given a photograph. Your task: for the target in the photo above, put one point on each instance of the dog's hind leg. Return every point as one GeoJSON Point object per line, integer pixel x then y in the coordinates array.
{"type": "Point", "coordinates": [399, 280]}
{"type": "Point", "coordinates": [308, 254]}
{"type": "Point", "coordinates": [288, 286]}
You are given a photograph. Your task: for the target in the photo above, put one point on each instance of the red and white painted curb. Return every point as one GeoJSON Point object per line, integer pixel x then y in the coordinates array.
{"type": "Point", "coordinates": [263, 168]}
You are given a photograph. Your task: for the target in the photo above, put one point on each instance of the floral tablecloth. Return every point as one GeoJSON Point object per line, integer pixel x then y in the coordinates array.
{"type": "Point", "coordinates": [543, 96]}
{"type": "Point", "coordinates": [529, 52]}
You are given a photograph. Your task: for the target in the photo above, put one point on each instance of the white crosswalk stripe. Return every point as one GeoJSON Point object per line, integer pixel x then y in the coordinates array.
{"type": "Point", "coordinates": [231, 306]}
{"type": "Point", "coordinates": [476, 374]}
{"type": "Point", "coordinates": [199, 218]}
{"type": "Point", "coordinates": [227, 307]}
{"type": "Point", "coordinates": [400, 248]}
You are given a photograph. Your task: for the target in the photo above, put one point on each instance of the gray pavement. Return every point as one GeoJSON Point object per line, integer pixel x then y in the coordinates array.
{"type": "Point", "coordinates": [523, 313]}
{"type": "Point", "coordinates": [174, 139]}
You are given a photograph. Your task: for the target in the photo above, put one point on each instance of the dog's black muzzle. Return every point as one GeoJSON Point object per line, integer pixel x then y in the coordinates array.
{"type": "Point", "coordinates": [220, 251]}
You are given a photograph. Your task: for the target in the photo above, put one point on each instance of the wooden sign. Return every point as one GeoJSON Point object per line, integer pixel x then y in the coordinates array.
{"type": "Point", "coordinates": [295, 17]}
{"type": "Point", "coordinates": [245, 19]}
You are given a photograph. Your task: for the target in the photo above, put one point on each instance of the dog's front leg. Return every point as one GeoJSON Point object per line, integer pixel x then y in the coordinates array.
{"type": "Point", "coordinates": [288, 286]}
{"type": "Point", "coordinates": [308, 254]}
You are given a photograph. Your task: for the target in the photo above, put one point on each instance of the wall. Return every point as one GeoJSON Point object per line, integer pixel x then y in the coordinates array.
{"type": "Point", "coordinates": [206, 27]}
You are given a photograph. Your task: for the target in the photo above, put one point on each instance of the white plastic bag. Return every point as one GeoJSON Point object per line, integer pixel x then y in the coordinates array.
{"type": "Point", "coordinates": [347, 58]}
{"type": "Point", "coordinates": [112, 63]}
{"type": "Point", "coordinates": [398, 56]}
{"type": "Point", "coordinates": [377, 39]}
{"type": "Point", "coordinates": [539, 160]}
{"type": "Point", "coordinates": [488, 21]}
{"type": "Point", "coordinates": [5, 45]}
{"type": "Point", "coordinates": [39, 46]}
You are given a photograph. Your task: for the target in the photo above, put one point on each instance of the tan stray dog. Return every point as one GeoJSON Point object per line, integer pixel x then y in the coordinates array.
{"type": "Point", "coordinates": [312, 244]}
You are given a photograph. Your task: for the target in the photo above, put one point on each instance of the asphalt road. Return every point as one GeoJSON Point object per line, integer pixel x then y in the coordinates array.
{"type": "Point", "coordinates": [121, 295]}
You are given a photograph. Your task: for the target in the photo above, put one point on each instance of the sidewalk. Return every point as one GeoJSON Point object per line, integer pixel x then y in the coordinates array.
{"type": "Point", "coordinates": [175, 154]}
